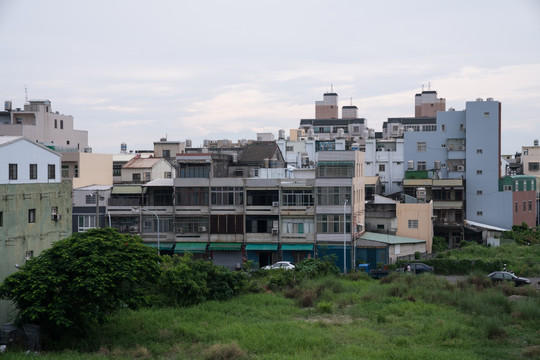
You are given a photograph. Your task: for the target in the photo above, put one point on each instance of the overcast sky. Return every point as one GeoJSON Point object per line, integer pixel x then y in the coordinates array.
{"type": "Point", "coordinates": [135, 71]}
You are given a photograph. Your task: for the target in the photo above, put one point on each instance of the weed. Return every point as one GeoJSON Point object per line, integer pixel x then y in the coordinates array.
{"type": "Point", "coordinates": [225, 352]}
{"type": "Point", "coordinates": [495, 329]}
{"type": "Point", "coordinates": [324, 307]}
{"type": "Point", "coordinates": [532, 352]}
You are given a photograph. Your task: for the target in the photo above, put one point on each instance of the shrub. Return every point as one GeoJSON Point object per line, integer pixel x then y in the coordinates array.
{"type": "Point", "coordinates": [313, 268]}
{"type": "Point", "coordinates": [324, 307]}
{"type": "Point", "coordinates": [230, 351]}
{"type": "Point", "coordinates": [82, 279]}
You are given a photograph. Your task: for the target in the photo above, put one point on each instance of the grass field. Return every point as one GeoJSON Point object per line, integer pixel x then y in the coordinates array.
{"type": "Point", "coordinates": [400, 317]}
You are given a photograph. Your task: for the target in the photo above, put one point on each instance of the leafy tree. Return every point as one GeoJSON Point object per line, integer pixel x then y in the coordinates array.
{"type": "Point", "coordinates": [82, 279]}
{"type": "Point", "coordinates": [523, 234]}
{"type": "Point", "coordinates": [439, 244]}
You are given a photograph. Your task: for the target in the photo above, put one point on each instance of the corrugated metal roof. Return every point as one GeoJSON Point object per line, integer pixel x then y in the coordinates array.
{"type": "Point", "coordinates": [390, 239]}
{"type": "Point", "coordinates": [371, 180]}
{"type": "Point", "coordinates": [161, 182]}
{"type": "Point", "coordinates": [485, 226]}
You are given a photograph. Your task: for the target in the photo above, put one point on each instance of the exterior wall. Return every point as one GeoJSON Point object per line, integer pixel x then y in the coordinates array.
{"type": "Point", "coordinates": [39, 126]}
{"type": "Point", "coordinates": [156, 172]}
{"type": "Point", "coordinates": [18, 236]}
{"type": "Point", "coordinates": [328, 108]}
{"type": "Point", "coordinates": [427, 104]}
{"type": "Point", "coordinates": [484, 202]}
{"type": "Point", "coordinates": [173, 148]}
{"type": "Point", "coordinates": [523, 214]}
{"type": "Point", "coordinates": [23, 153]}
{"type": "Point", "coordinates": [392, 162]}
{"type": "Point", "coordinates": [94, 169]}
{"type": "Point", "coordinates": [398, 250]}
{"type": "Point", "coordinates": [422, 213]}
{"type": "Point", "coordinates": [531, 154]}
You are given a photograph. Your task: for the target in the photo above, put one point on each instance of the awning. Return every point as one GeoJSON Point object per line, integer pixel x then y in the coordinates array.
{"type": "Point", "coordinates": [225, 246]}
{"type": "Point", "coordinates": [130, 189]}
{"type": "Point", "coordinates": [261, 247]}
{"type": "Point", "coordinates": [162, 246]}
{"type": "Point", "coordinates": [192, 247]}
{"type": "Point", "coordinates": [297, 247]}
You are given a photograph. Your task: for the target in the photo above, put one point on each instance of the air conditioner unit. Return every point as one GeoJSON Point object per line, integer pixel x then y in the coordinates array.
{"type": "Point", "coordinates": [275, 231]}
{"type": "Point", "coordinates": [275, 203]}
{"type": "Point", "coordinates": [460, 168]}
{"type": "Point", "coordinates": [202, 229]}
{"type": "Point", "coordinates": [56, 217]}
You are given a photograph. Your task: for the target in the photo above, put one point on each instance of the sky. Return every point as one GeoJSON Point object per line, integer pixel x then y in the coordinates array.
{"type": "Point", "coordinates": [137, 71]}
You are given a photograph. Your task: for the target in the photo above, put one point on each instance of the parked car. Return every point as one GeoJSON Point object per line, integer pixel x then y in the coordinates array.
{"type": "Point", "coordinates": [280, 265]}
{"type": "Point", "coordinates": [420, 268]}
{"type": "Point", "coordinates": [498, 276]}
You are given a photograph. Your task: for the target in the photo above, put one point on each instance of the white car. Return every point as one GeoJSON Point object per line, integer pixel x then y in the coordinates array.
{"type": "Point", "coordinates": [280, 265]}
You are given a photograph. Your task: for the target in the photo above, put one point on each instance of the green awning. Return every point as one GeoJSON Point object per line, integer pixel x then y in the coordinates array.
{"type": "Point", "coordinates": [225, 246]}
{"type": "Point", "coordinates": [297, 247]}
{"type": "Point", "coordinates": [162, 246]}
{"type": "Point", "coordinates": [261, 247]}
{"type": "Point", "coordinates": [129, 189]}
{"type": "Point", "coordinates": [192, 247]}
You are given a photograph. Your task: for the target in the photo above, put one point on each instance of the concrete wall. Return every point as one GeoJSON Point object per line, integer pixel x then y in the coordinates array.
{"type": "Point", "coordinates": [422, 212]}
{"type": "Point", "coordinates": [94, 169]}
{"type": "Point", "coordinates": [18, 236]}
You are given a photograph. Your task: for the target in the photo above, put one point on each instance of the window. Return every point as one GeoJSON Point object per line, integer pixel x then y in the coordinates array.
{"type": "Point", "coordinates": [534, 166]}
{"type": "Point", "coordinates": [516, 207]}
{"type": "Point", "coordinates": [486, 113]}
{"type": "Point", "coordinates": [524, 206]}
{"type": "Point", "coordinates": [162, 197]}
{"type": "Point", "coordinates": [55, 123]}
{"type": "Point", "coordinates": [333, 224]}
{"type": "Point", "coordinates": [32, 216]}
{"type": "Point", "coordinates": [61, 124]}
{"type": "Point", "coordinates": [412, 224]}
{"type": "Point", "coordinates": [333, 195]}
{"type": "Point", "coordinates": [239, 173]}
{"type": "Point", "coordinates": [478, 151]}
{"type": "Point", "coordinates": [461, 127]}
{"type": "Point", "coordinates": [117, 170]}
{"type": "Point", "coordinates": [65, 171]}
{"type": "Point", "coordinates": [289, 148]}
{"type": "Point", "coordinates": [91, 199]}
{"type": "Point", "coordinates": [443, 127]}
{"type": "Point", "coordinates": [421, 146]}
{"type": "Point", "coordinates": [86, 222]}
{"type": "Point", "coordinates": [530, 205]}
{"type": "Point", "coordinates": [507, 187]}
{"type": "Point", "coordinates": [76, 171]}
{"type": "Point", "coordinates": [479, 213]}
{"type": "Point", "coordinates": [478, 172]}
{"type": "Point", "coordinates": [380, 226]}
{"type": "Point", "coordinates": [33, 171]}
{"type": "Point", "coordinates": [297, 197]}
{"type": "Point", "coordinates": [382, 167]}
{"type": "Point", "coordinates": [192, 196]}
{"type": "Point", "coordinates": [136, 177]}
{"type": "Point", "coordinates": [255, 172]}
{"type": "Point", "coordinates": [525, 151]}
{"type": "Point", "coordinates": [227, 196]}
{"type": "Point", "coordinates": [421, 166]}
{"type": "Point", "coordinates": [52, 171]}
{"type": "Point", "coordinates": [167, 175]}
{"type": "Point", "coordinates": [13, 172]}
{"type": "Point", "coordinates": [1, 218]}
{"type": "Point", "coordinates": [166, 153]}
{"type": "Point", "coordinates": [479, 192]}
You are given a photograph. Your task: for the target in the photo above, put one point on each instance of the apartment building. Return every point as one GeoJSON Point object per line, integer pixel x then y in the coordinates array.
{"type": "Point", "coordinates": [35, 205]}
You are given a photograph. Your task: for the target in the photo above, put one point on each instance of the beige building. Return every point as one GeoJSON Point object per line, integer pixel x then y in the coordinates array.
{"type": "Point", "coordinates": [426, 104]}
{"type": "Point", "coordinates": [414, 220]}
{"type": "Point", "coordinates": [530, 157]}
{"type": "Point", "coordinates": [140, 171]}
{"type": "Point", "coordinates": [168, 149]}
{"type": "Point", "coordinates": [85, 169]}
{"type": "Point", "coordinates": [38, 123]}
{"type": "Point", "coordinates": [328, 107]}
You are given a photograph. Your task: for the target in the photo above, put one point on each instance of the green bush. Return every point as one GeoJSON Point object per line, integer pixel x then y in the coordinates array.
{"type": "Point", "coordinates": [314, 268]}
{"type": "Point", "coordinates": [185, 281]}
{"type": "Point", "coordinates": [81, 280]}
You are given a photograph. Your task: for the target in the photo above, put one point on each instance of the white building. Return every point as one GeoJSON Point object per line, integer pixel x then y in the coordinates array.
{"type": "Point", "coordinates": [384, 158]}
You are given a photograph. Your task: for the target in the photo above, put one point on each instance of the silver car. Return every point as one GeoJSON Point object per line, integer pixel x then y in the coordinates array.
{"type": "Point", "coordinates": [280, 265]}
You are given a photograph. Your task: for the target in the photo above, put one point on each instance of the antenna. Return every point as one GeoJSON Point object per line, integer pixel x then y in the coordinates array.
{"type": "Point", "coordinates": [429, 85]}
{"type": "Point", "coordinates": [331, 87]}
{"type": "Point", "coordinates": [422, 87]}
{"type": "Point", "coordinates": [25, 94]}
{"type": "Point", "coordinates": [351, 101]}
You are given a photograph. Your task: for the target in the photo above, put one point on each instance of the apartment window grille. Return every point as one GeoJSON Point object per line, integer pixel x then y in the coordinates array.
{"type": "Point", "coordinates": [90, 199]}
{"type": "Point", "coordinates": [382, 167]}
{"type": "Point", "coordinates": [479, 192]}
{"type": "Point", "coordinates": [191, 225]}
{"type": "Point", "coordinates": [478, 172]}
{"type": "Point", "coordinates": [65, 171]}
{"type": "Point", "coordinates": [227, 195]}
{"type": "Point", "coordinates": [76, 171]}
{"type": "Point", "coordinates": [234, 224]}
{"type": "Point", "coordinates": [479, 213]}
{"type": "Point", "coordinates": [149, 223]}
{"type": "Point", "coordinates": [478, 151]}
{"type": "Point", "coordinates": [534, 166]}
{"type": "Point", "coordinates": [192, 196]}
{"type": "Point", "coordinates": [136, 177]}
{"type": "Point", "coordinates": [421, 165]}
{"type": "Point", "coordinates": [52, 171]}
{"type": "Point", "coordinates": [166, 153]}
{"type": "Point", "coordinates": [33, 171]}
{"type": "Point", "coordinates": [333, 224]}
{"type": "Point", "coordinates": [333, 195]}
{"type": "Point", "coordinates": [32, 216]}
{"type": "Point", "coordinates": [289, 148]}
{"type": "Point", "coordinates": [412, 224]}
{"type": "Point", "coordinates": [335, 171]}
{"type": "Point", "coordinates": [421, 146]}
{"type": "Point", "coordinates": [429, 127]}
{"type": "Point", "coordinates": [297, 197]}
{"type": "Point", "coordinates": [13, 174]}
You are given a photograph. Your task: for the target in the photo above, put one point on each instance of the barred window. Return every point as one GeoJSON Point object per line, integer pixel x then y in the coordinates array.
{"type": "Point", "coordinates": [333, 224]}
{"type": "Point", "coordinates": [227, 196]}
{"type": "Point", "coordinates": [412, 224]}
{"type": "Point", "coordinates": [297, 197]}
{"type": "Point", "coordinates": [333, 195]}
